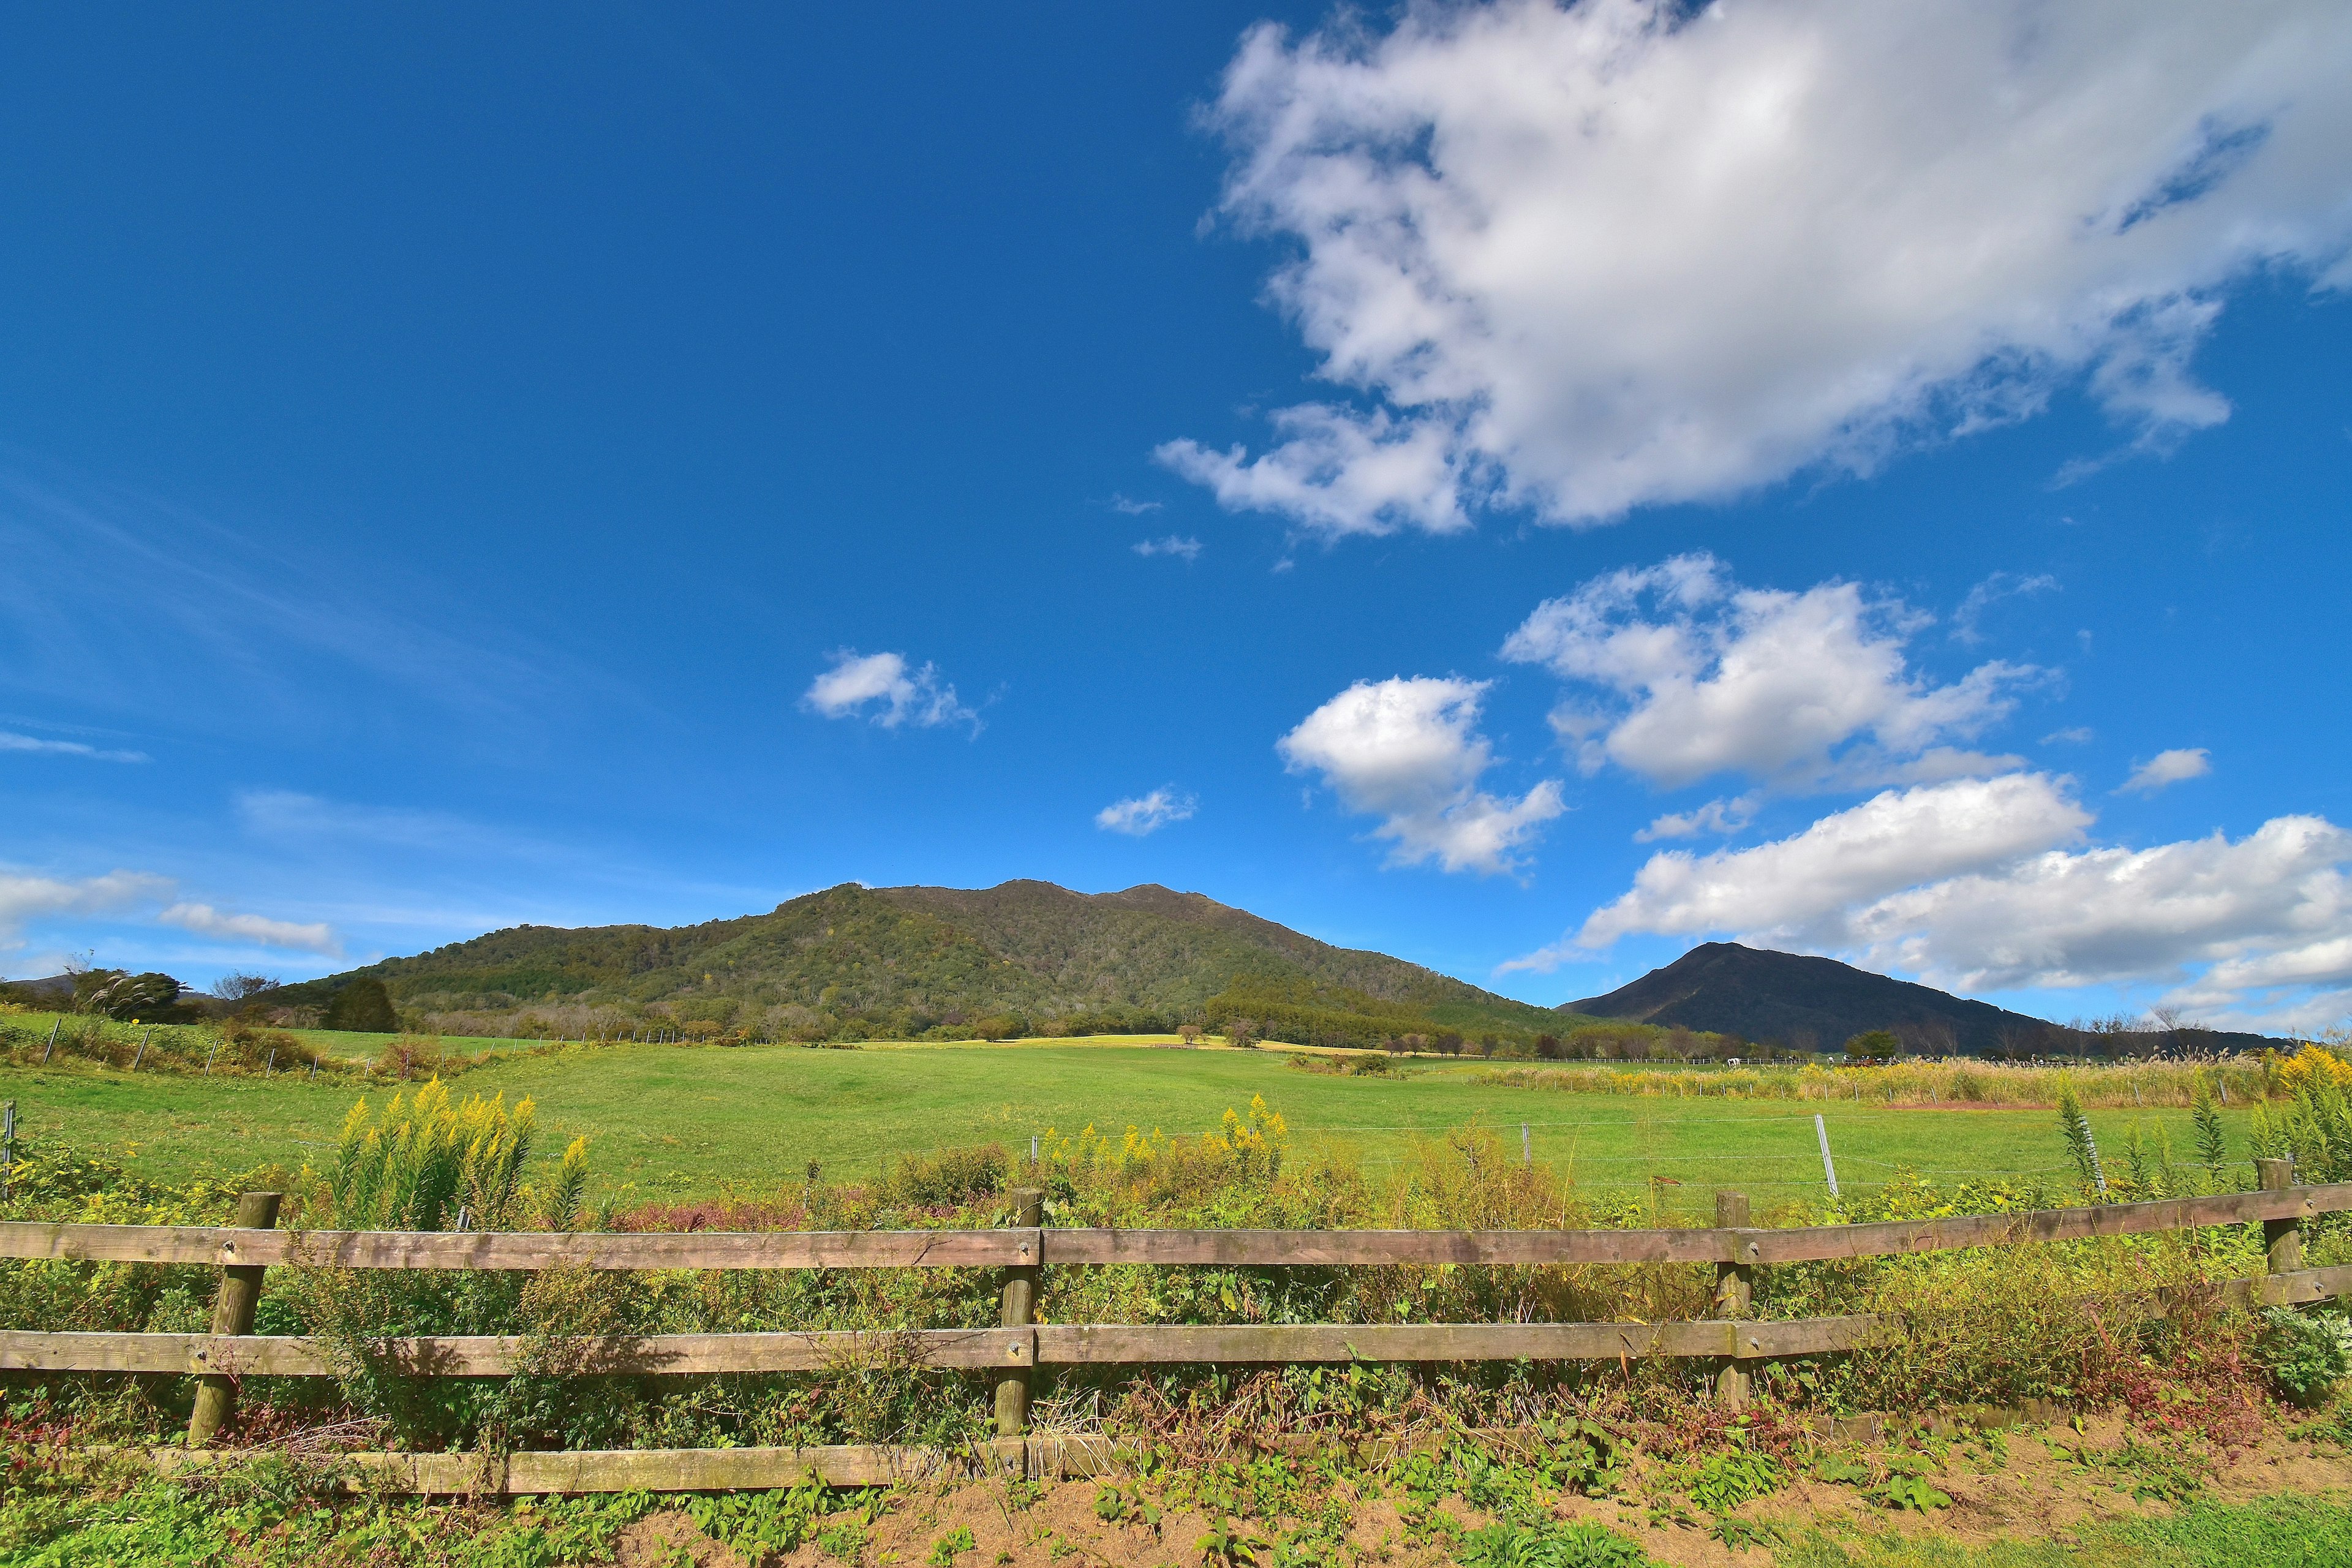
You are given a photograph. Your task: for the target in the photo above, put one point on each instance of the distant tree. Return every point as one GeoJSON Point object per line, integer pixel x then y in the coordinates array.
{"type": "Point", "coordinates": [1449, 1043]}
{"type": "Point", "coordinates": [1489, 1044]}
{"type": "Point", "coordinates": [112, 993]}
{"type": "Point", "coordinates": [236, 986]}
{"type": "Point", "coordinates": [1189, 1033]}
{"type": "Point", "coordinates": [1241, 1032]}
{"type": "Point", "coordinates": [1874, 1046]}
{"type": "Point", "coordinates": [1416, 1042]}
{"type": "Point", "coordinates": [1547, 1047]}
{"type": "Point", "coordinates": [363, 1006]}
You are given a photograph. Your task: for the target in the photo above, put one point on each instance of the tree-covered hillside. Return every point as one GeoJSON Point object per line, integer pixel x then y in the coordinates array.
{"type": "Point", "coordinates": [899, 963]}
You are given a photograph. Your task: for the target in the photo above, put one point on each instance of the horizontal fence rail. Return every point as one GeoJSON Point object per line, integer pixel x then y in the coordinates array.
{"type": "Point", "coordinates": [1732, 1338]}
{"type": "Point", "coordinates": [495, 1250]}
{"type": "Point", "coordinates": [1045, 1344]}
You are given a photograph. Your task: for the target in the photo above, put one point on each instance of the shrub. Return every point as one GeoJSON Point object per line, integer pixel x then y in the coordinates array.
{"type": "Point", "coordinates": [2305, 1353]}
{"type": "Point", "coordinates": [948, 1179]}
{"type": "Point", "coordinates": [363, 1006]}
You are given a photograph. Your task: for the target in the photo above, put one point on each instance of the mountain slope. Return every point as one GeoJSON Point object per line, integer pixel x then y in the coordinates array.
{"type": "Point", "coordinates": [1818, 1004]}
{"type": "Point", "coordinates": [903, 959]}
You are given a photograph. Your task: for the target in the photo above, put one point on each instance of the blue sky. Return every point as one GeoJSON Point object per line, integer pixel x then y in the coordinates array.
{"type": "Point", "coordinates": [1525, 489]}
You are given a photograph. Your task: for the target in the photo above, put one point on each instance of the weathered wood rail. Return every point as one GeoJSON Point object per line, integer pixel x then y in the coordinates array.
{"type": "Point", "coordinates": [228, 1245]}
{"type": "Point", "coordinates": [1018, 1345]}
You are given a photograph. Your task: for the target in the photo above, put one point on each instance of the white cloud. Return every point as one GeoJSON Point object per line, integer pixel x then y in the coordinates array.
{"type": "Point", "coordinates": [10, 741]}
{"type": "Point", "coordinates": [1975, 885]}
{"type": "Point", "coordinates": [1139, 815]}
{"type": "Point", "coordinates": [1694, 676]}
{"type": "Point", "coordinates": [1337, 471]}
{"type": "Point", "coordinates": [2168, 768]}
{"type": "Point", "coordinates": [1716, 817]}
{"type": "Point", "coordinates": [880, 686]}
{"type": "Point", "coordinates": [24, 899]}
{"type": "Point", "coordinates": [1173, 544]}
{"type": "Point", "coordinates": [1585, 259]}
{"type": "Point", "coordinates": [206, 920]}
{"type": "Point", "coordinates": [1803, 887]}
{"type": "Point", "coordinates": [1408, 751]}
{"type": "Point", "coordinates": [2077, 736]}
{"type": "Point", "coordinates": [1120, 503]}
{"type": "Point", "coordinates": [2255, 910]}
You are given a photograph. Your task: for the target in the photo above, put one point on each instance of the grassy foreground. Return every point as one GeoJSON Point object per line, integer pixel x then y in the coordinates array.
{"type": "Point", "coordinates": [671, 1122]}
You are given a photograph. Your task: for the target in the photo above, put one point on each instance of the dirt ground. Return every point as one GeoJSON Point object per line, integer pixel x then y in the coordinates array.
{"type": "Point", "coordinates": [2018, 1486]}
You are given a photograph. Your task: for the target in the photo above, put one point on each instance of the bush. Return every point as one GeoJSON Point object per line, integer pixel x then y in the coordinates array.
{"type": "Point", "coordinates": [363, 1006]}
{"type": "Point", "coordinates": [2305, 1353]}
{"type": "Point", "coordinates": [948, 1179]}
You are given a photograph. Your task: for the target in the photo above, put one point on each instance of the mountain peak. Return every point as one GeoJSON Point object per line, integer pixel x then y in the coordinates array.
{"type": "Point", "coordinates": [1818, 1004]}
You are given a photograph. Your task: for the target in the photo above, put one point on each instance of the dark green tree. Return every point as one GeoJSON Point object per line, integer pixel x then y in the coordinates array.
{"type": "Point", "coordinates": [1874, 1046]}
{"type": "Point", "coordinates": [363, 1006]}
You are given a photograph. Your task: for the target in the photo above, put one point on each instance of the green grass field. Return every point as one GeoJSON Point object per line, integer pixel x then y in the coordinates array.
{"type": "Point", "coordinates": [671, 1122]}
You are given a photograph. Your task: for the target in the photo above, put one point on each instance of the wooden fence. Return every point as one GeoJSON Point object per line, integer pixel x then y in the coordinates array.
{"type": "Point", "coordinates": [1731, 1339]}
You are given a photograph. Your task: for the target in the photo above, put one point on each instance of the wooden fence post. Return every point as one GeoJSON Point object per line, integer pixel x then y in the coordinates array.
{"type": "Point", "coordinates": [241, 1290]}
{"type": "Point", "coordinates": [1019, 1312]}
{"type": "Point", "coordinates": [1735, 1298]}
{"type": "Point", "coordinates": [2283, 1238]}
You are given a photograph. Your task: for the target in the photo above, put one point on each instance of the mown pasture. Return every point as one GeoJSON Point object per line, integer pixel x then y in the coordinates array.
{"type": "Point", "coordinates": [669, 1123]}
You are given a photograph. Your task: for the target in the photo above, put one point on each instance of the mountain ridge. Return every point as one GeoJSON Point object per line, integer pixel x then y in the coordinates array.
{"type": "Point", "coordinates": [902, 961]}
{"type": "Point", "coordinates": [1812, 1003]}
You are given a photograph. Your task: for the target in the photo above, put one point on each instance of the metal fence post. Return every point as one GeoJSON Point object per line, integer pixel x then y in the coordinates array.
{"type": "Point", "coordinates": [240, 1292]}
{"type": "Point", "coordinates": [1735, 1298]}
{"type": "Point", "coordinates": [2282, 1238]}
{"type": "Point", "coordinates": [1020, 1308]}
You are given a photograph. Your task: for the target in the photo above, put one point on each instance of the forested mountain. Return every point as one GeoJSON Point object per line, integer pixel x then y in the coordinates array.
{"type": "Point", "coordinates": [1818, 1004]}
{"type": "Point", "coordinates": [875, 962]}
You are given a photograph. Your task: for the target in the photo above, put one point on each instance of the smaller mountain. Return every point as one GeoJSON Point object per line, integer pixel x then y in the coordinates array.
{"type": "Point", "coordinates": [1818, 1004]}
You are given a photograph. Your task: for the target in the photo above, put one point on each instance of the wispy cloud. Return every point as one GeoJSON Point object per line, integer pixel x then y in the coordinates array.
{"type": "Point", "coordinates": [1967, 621]}
{"type": "Point", "coordinates": [1716, 817]}
{"type": "Point", "coordinates": [24, 898]}
{"type": "Point", "coordinates": [195, 610]}
{"type": "Point", "coordinates": [284, 815]}
{"type": "Point", "coordinates": [11, 741]}
{"type": "Point", "coordinates": [2080, 735]}
{"type": "Point", "coordinates": [1178, 544]}
{"type": "Point", "coordinates": [1134, 508]}
{"type": "Point", "coordinates": [206, 920]}
{"type": "Point", "coordinates": [885, 689]}
{"type": "Point", "coordinates": [1139, 815]}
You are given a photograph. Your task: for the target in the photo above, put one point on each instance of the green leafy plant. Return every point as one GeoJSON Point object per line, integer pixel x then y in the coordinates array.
{"type": "Point", "coordinates": [1737, 1533]}
{"type": "Point", "coordinates": [1115, 1504]}
{"type": "Point", "coordinates": [1546, 1544]}
{"type": "Point", "coordinates": [1727, 1479]}
{"type": "Point", "coordinates": [759, 1526]}
{"type": "Point", "coordinates": [2205, 1120]}
{"type": "Point", "coordinates": [1585, 1456]}
{"type": "Point", "coordinates": [2075, 1128]}
{"type": "Point", "coordinates": [1230, 1544]}
{"type": "Point", "coordinates": [1907, 1487]}
{"type": "Point", "coordinates": [944, 1549]}
{"type": "Point", "coordinates": [2305, 1353]}
{"type": "Point", "coordinates": [1841, 1472]}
